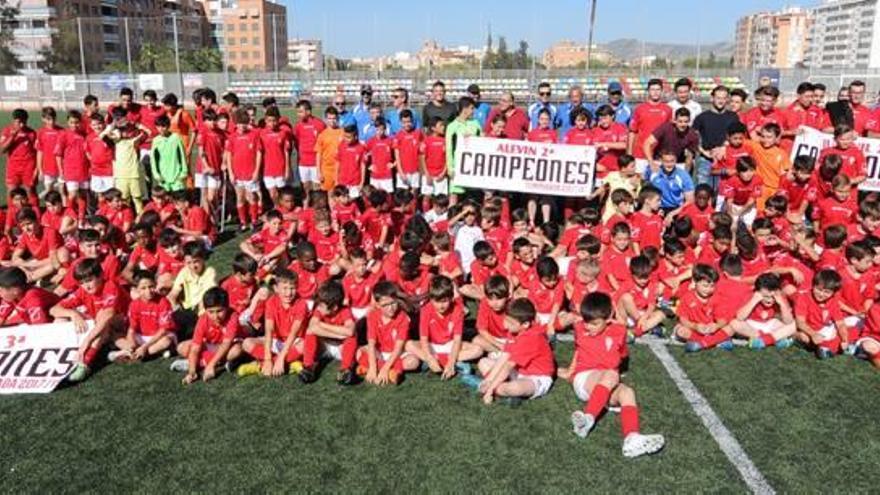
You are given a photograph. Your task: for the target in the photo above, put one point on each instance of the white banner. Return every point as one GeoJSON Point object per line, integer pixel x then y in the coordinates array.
{"type": "Point", "coordinates": [63, 83]}
{"type": "Point", "coordinates": [193, 80]}
{"type": "Point", "coordinates": [16, 84]}
{"type": "Point", "coordinates": [522, 166]}
{"type": "Point", "coordinates": [35, 358]}
{"type": "Point", "coordinates": [811, 142]}
{"type": "Point", "coordinates": [151, 81]}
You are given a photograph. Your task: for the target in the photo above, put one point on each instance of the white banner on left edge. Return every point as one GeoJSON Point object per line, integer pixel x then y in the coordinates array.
{"type": "Point", "coordinates": [34, 359]}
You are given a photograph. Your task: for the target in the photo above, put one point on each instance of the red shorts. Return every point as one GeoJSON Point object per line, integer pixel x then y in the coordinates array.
{"type": "Point", "coordinates": [20, 175]}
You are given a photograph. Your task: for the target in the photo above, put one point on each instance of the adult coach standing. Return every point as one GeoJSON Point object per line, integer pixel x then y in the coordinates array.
{"type": "Point", "coordinates": [566, 110]}
{"type": "Point", "coordinates": [677, 137]}
{"type": "Point", "coordinates": [544, 94]}
{"type": "Point", "coordinates": [439, 106]}
{"type": "Point", "coordinates": [712, 126]}
{"type": "Point", "coordinates": [517, 125]}
{"type": "Point", "coordinates": [361, 111]}
{"type": "Point", "coordinates": [851, 111]}
{"type": "Point", "coordinates": [683, 99]}
{"type": "Point", "coordinates": [399, 103]}
{"type": "Point", "coordinates": [622, 110]}
{"type": "Point", "coordinates": [482, 109]}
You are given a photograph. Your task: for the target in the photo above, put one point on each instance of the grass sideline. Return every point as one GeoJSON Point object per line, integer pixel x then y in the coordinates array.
{"type": "Point", "coordinates": [807, 425]}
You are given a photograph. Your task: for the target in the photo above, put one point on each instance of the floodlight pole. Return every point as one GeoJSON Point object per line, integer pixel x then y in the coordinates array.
{"type": "Point", "coordinates": [590, 35]}
{"type": "Point", "coordinates": [82, 53]}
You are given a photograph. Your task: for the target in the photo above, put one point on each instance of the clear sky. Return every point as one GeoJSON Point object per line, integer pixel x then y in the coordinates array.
{"type": "Point", "coordinates": [357, 28]}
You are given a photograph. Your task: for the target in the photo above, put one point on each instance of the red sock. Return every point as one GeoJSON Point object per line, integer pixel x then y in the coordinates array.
{"type": "Point", "coordinates": [349, 348]}
{"type": "Point", "coordinates": [598, 400]}
{"type": "Point", "coordinates": [242, 214]}
{"type": "Point", "coordinates": [255, 212]}
{"type": "Point", "coordinates": [90, 355]}
{"type": "Point", "coordinates": [258, 352]}
{"type": "Point", "coordinates": [310, 349]}
{"type": "Point", "coordinates": [292, 355]}
{"type": "Point", "coordinates": [768, 339]}
{"type": "Point", "coordinates": [714, 339]}
{"type": "Point", "coordinates": [629, 420]}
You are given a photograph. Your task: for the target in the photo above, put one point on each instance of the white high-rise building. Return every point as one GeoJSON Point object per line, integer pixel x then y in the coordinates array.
{"type": "Point", "coordinates": [772, 39]}
{"type": "Point", "coordinates": [305, 55]}
{"type": "Point", "coordinates": [845, 34]}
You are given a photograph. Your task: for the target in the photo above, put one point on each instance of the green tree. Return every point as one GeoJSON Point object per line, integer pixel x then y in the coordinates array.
{"type": "Point", "coordinates": [522, 60]}
{"type": "Point", "coordinates": [8, 14]}
{"type": "Point", "coordinates": [502, 55]}
{"type": "Point", "coordinates": [202, 60]}
{"type": "Point", "coordinates": [155, 58]}
{"type": "Point", "coordinates": [62, 56]}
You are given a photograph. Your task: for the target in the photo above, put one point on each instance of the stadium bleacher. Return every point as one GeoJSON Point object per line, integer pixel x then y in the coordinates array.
{"type": "Point", "coordinates": [285, 91]}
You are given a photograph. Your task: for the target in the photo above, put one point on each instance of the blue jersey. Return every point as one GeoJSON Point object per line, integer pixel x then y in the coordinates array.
{"type": "Point", "coordinates": [361, 115]}
{"type": "Point", "coordinates": [672, 186]}
{"type": "Point", "coordinates": [346, 119]}
{"type": "Point", "coordinates": [622, 113]}
{"type": "Point", "coordinates": [481, 113]}
{"type": "Point", "coordinates": [535, 109]}
{"type": "Point", "coordinates": [366, 132]}
{"type": "Point", "coordinates": [564, 116]}
{"type": "Point", "coordinates": [392, 117]}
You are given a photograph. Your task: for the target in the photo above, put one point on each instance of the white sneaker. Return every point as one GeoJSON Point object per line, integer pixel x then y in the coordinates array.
{"type": "Point", "coordinates": [119, 356]}
{"type": "Point", "coordinates": [166, 354]}
{"type": "Point", "coordinates": [582, 423]}
{"type": "Point", "coordinates": [180, 365]}
{"type": "Point", "coordinates": [636, 444]}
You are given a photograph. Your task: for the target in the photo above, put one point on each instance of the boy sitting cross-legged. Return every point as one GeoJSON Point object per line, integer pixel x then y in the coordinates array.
{"type": "Point", "coordinates": [700, 322]}
{"type": "Point", "coordinates": [766, 319]}
{"type": "Point", "coordinates": [526, 366]}
{"type": "Point", "coordinates": [215, 340]}
{"type": "Point", "coordinates": [151, 330]}
{"type": "Point", "coordinates": [600, 346]}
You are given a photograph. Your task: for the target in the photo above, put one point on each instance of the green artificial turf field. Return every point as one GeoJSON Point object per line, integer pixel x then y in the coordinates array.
{"type": "Point", "coordinates": [808, 426]}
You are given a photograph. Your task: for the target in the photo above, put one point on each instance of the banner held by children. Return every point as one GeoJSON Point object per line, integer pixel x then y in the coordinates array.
{"type": "Point", "coordinates": [518, 166]}
{"type": "Point", "coordinates": [34, 359]}
{"type": "Point", "coordinates": [811, 142]}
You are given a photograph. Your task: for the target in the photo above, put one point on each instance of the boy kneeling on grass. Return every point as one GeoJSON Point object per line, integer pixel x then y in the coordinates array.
{"type": "Point", "coordinates": [594, 372]}
{"type": "Point", "coordinates": [525, 367]}
{"type": "Point", "coordinates": [215, 341]}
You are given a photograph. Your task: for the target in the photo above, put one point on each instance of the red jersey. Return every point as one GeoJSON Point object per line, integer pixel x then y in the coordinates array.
{"type": "Point", "coordinates": [121, 218]}
{"type": "Point", "coordinates": [830, 211]}
{"type": "Point", "coordinates": [359, 291]}
{"type": "Point", "coordinates": [408, 146]}
{"type": "Point", "coordinates": [545, 298]}
{"type": "Point", "coordinates": [47, 139]}
{"type": "Point", "coordinates": [373, 221]}
{"type": "Point", "coordinates": [603, 351]}
{"type": "Point", "coordinates": [699, 218]}
{"type": "Point", "coordinates": [615, 133]}
{"type": "Point", "coordinates": [351, 161]}
{"type": "Point", "coordinates": [643, 297]}
{"type": "Point", "coordinates": [108, 297]}
{"type": "Point", "coordinates": [144, 258]}
{"type": "Point", "coordinates": [211, 143]}
{"type": "Point", "coordinates": [570, 236]}
{"type": "Point", "coordinates": [853, 160]}
{"type": "Point", "coordinates": [731, 156]}
{"type": "Point", "coordinates": [305, 136]}
{"type": "Point", "coordinates": [813, 116]}
{"type": "Point", "coordinates": [441, 328]}
{"type": "Point", "coordinates": [40, 243]}
{"type": "Point", "coordinates": [387, 334]}
{"type": "Point", "coordinates": [71, 147]}
{"type": "Point", "coordinates": [616, 264]}
{"type": "Point", "coordinates": [542, 136]}
{"type": "Point", "coordinates": [434, 149]}
{"type": "Point", "coordinates": [646, 118]}
{"type": "Point", "coordinates": [239, 294]}
{"type": "Point", "coordinates": [268, 241]}
{"type": "Point", "coordinates": [646, 229]}
{"type": "Point", "coordinates": [798, 192]}
{"type": "Point", "coordinates": [100, 153]}
{"type": "Point", "coordinates": [740, 192]}
{"type": "Point", "coordinates": [209, 332]}
{"type": "Point", "coordinates": [491, 321]}
{"type": "Point", "coordinates": [244, 148]}
{"type": "Point", "coordinates": [531, 353]}
{"type": "Point", "coordinates": [32, 308]}
{"type": "Point", "coordinates": [307, 282]}
{"type": "Point", "coordinates": [525, 274]}
{"type": "Point", "coordinates": [578, 137]}
{"type": "Point", "coordinates": [148, 118]}
{"type": "Point", "coordinates": [500, 239]}
{"type": "Point", "coordinates": [817, 315]}
{"type": "Point", "coordinates": [855, 291]}
{"type": "Point", "coordinates": [862, 116]}
{"type": "Point", "coordinates": [110, 269]}
{"type": "Point", "coordinates": [284, 317]}
{"type": "Point", "coordinates": [168, 263]}
{"type": "Point", "coordinates": [480, 273]}
{"type": "Point", "coordinates": [755, 118]}
{"type": "Point", "coordinates": [379, 149]}
{"type": "Point", "coordinates": [276, 149]}
{"type": "Point", "coordinates": [22, 150]}
{"type": "Point", "coordinates": [696, 310]}
{"type": "Point", "coordinates": [872, 322]}
{"type": "Point", "coordinates": [150, 317]}
{"type": "Point", "coordinates": [736, 294]}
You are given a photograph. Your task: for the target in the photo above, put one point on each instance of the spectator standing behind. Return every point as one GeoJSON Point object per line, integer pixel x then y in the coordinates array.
{"type": "Point", "coordinates": [439, 106]}
{"type": "Point", "coordinates": [712, 126]}
{"type": "Point", "coordinates": [567, 109]}
{"type": "Point", "coordinates": [361, 112]}
{"type": "Point", "coordinates": [544, 94]}
{"type": "Point", "coordinates": [622, 110]}
{"type": "Point", "coordinates": [517, 125]}
{"type": "Point", "coordinates": [683, 88]}
{"type": "Point", "coordinates": [343, 116]}
{"type": "Point", "coordinates": [646, 118]}
{"type": "Point", "coordinates": [677, 137]}
{"type": "Point", "coordinates": [399, 103]}
{"type": "Point", "coordinates": [482, 109]}
{"type": "Point", "coordinates": [850, 109]}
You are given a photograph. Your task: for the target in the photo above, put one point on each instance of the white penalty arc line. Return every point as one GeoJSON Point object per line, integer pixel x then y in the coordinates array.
{"type": "Point", "coordinates": [756, 481]}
